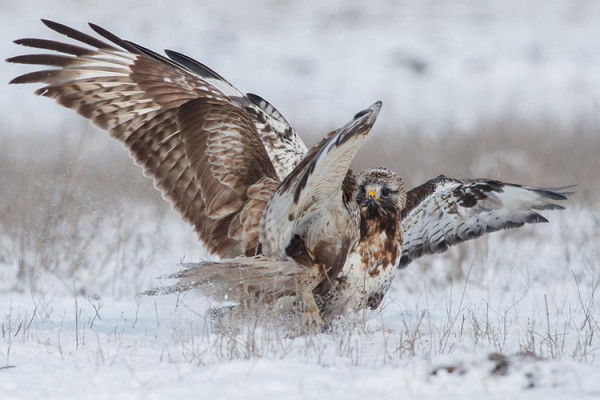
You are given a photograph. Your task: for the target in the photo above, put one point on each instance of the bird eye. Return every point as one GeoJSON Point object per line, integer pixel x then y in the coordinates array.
{"type": "Point", "coordinates": [385, 192]}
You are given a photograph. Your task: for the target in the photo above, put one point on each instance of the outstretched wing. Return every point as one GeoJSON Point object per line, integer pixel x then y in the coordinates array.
{"type": "Point", "coordinates": [312, 214]}
{"type": "Point", "coordinates": [187, 126]}
{"type": "Point", "coordinates": [444, 211]}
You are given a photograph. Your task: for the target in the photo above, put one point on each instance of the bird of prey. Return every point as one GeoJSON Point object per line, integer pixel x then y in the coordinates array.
{"type": "Point", "coordinates": [285, 221]}
{"type": "Point", "coordinates": [218, 155]}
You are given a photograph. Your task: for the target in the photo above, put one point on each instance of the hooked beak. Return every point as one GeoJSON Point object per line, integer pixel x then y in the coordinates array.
{"type": "Point", "coordinates": [371, 197]}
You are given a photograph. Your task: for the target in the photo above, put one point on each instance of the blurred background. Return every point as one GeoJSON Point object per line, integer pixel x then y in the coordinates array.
{"type": "Point", "coordinates": [436, 65]}
{"type": "Point", "coordinates": [504, 89]}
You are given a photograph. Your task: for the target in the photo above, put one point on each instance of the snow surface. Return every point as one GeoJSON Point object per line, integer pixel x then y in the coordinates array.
{"type": "Point", "coordinates": [529, 294]}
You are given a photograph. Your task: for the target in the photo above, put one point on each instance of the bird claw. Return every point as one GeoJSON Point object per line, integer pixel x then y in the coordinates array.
{"type": "Point", "coordinates": [312, 322]}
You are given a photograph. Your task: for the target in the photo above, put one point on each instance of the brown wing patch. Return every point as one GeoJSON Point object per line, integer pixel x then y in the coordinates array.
{"type": "Point", "coordinates": [259, 195]}
{"type": "Point", "coordinates": [232, 168]}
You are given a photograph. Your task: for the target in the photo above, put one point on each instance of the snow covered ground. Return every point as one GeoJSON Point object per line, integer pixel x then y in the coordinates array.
{"type": "Point", "coordinates": [512, 315]}
{"type": "Point", "coordinates": [521, 322]}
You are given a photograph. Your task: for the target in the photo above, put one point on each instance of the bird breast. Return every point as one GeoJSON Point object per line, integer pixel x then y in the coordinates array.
{"type": "Point", "coordinates": [367, 274]}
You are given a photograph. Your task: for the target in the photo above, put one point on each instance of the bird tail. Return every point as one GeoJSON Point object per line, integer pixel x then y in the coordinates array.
{"type": "Point", "coordinates": [238, 279]}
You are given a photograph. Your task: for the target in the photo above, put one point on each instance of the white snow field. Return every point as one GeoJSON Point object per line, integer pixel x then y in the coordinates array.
{"type": "Point", "coordinates": [522, 322]}
{"type": "Point", "coordinates": [512, 315]}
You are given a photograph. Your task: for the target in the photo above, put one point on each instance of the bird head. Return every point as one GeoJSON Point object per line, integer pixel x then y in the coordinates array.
{"type": "Point", "coordinates": [380, 192]}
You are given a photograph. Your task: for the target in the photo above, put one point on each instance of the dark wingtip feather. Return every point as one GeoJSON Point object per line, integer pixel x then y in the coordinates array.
{"type": "Point", "coordinates": [27, 42]}
{"type": "Point", "coordinates": [106, 34]}
{"type": "Point", "coordinates": [49, 23]}
{"type": "Point", "coordinates": [77, 35]}
{"type": "Point", "coordinates": [58, 27]}
{"type": "Point", "coordinates": [194, 65]}
{"type": "Point", "coordinates": [54, 60]}
{"type": "Point", "coordinates": [139, 49]}
{"type": "Point", "coordinates": [404, 261]}
{"type": "Point", "coordinates": [32, 77]}
{"type": "Point", "coordinates": [547, 206]}
{"type": "Point", "coordinates": [113, 38]}
{"type": "Point", "coordinates": [373, 110]}
{"type": "Point", "coordinates": [556, 193]}
{"type": "Point", "coordinates": [535, 218]}
{"type": "Point", "coordinates": [54, 46]}
{"type": "Point", "coordinates": [15, 81]}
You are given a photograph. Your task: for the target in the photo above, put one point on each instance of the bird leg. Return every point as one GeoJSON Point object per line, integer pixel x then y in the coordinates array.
{"type": "Point", "coordinates": [311, 320]}
{"type": "Point", "coordinates": [311, 315]}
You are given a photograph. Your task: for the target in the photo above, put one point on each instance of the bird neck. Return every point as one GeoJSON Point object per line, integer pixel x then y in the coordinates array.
{"type": "Point", "coordinates": [380, 242]}
{"type": "Point", "coordinates": [374, 225]}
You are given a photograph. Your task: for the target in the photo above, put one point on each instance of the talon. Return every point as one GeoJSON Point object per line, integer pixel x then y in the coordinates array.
{"type": "Point", "coordinates": [312, 322]}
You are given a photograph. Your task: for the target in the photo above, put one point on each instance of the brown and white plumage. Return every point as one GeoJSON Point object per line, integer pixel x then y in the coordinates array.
{"type": "Point", "coordinates": [367, 268]}
{"type": "Point", "coordinates": [397, 227]}
{"type": "Point", "coordinates": [228, 162]}
{"type": "Point", "coordinates": [440, 213]}
{"type": "Point", "coordinates": [371, 263]}
{"type": "Point", "coordinates": [307, 229]}
{"type": "Point", "coordinates": [286, 222]}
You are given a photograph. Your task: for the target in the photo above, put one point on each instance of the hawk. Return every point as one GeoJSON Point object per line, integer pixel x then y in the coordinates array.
{"type": "Point", "coordinates": [285, 221]}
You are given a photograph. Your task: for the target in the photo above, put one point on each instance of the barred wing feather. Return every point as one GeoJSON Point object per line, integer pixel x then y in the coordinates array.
{"type": "Point", "coordinates": [445, 211]}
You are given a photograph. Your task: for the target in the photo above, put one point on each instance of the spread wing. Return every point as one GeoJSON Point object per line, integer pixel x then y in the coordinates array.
{"type": "Point", "coordinates": [444, 211]}
{"type": "Point", "coordinates": [195, 134]}
{"type": "Point", "coordinates": [312, 213]}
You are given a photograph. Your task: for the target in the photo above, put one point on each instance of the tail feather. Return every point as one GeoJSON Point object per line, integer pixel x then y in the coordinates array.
{"type": "Point", "coordinates": [236, 279]}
